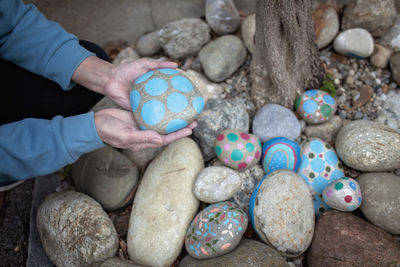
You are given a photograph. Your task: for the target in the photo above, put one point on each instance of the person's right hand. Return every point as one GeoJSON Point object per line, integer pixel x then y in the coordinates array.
{"type": "Point", "coordinates": [118, 128]}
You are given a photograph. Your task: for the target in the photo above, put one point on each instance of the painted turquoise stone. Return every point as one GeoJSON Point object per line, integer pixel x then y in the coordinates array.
{"type": "Point", "coordinates": [319, 205]}
{"type": "Point", "coordinates": [280, 153]}
{"type": "Point", "coordinates": [165, 100]}
{"type": "Point", "coordinates": [315, 106]}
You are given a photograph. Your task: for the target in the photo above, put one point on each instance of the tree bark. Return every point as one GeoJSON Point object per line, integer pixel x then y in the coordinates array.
{"type": "Point", "coordinates": [286, 58]}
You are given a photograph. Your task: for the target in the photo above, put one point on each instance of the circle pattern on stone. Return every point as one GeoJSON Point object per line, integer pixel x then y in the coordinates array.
{"type": "Point", "coordinates": [343, 194]}
{"type": "Point", "coordinates": [315, 106]}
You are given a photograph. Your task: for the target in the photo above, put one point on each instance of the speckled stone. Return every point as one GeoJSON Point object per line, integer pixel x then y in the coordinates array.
{"type": "Point", "coordinates": [165, 100]}
{"type": "Point", "coordinates": [355, 42]}
{"type": "Point", "coordinates": [238, 150]}
{"type": "Point", "coordinates": [369, 146]}
{"type": "Point", "coordinates": [343, 194]}
{"type": "Point", "coordinates": [216, 230]}
{"type": "Point", "coordinates": [282, 212]}
{"type": "Point", "coordinates": [215, 184]}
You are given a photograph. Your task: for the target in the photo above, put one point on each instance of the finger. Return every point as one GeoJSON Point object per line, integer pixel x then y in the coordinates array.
{"type": "Point", "coordinates": [152, 65]}
{"type": "Point", "coordinates": [192, 125]}
{"type": "Point", "coordinates": [143, 137]}
{"type": "Point", "coordinates": [123, 115]}
{"type": "Point", "coordinates": [169, 138]}
{"type": "Point", "coordinates": [138, 147]}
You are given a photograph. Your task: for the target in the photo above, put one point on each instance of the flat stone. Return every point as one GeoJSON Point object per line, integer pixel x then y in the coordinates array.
{"type": "Point", "coordinates": [390, 113]}
{"type": "Point", "coordinates": [148, 44]}
{"type": "Point", "coordinates": [248, 30]}
{"type": "Point", "coordinates": [126, 55]}
{"type": "Point", "coordinates": [366, 93]}
{"type": "Point", "coordinates": [222, 16]}
{"type": "Point", "coordinates": [381, 200]}
{"type": "Point", "coordinates": [380, 57]}
{"type": "Point", "coordinates": [325, 131]}
{"type": "Point", "coordinates": [326, 24]}
{"type": "Point", "coordinates": [355, 42]}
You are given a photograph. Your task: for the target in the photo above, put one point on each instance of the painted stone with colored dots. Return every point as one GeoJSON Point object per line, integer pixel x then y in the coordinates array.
{"type": "Point", "coordinates": [320, 165]}
{"type": "Point", "coordinates": [319, 205]}
{"type": "Point", "coordinates": [216, 230]}
{"type": "Point", "coordinates": [315, 106]}
{"type": "Point", "coordinates": [280, 153]}
{"type": "Point", "coordinates": [237, 150]}
{"type": "Point", "coordinates": [165, 100]}
{"type": "Point", "coordinates": [343, 194]}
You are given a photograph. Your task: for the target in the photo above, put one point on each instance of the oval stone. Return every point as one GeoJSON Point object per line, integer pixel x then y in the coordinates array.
{"type": "Point", "coordinates": [238, 150]}
{"type": "Point", "coordinates": [315, 106]}
{"type": "Point", "coordinates": [343, 194]}
{"type": "Point", "coordinates": [216, 230]}
{"type": "Point", "coordinates": [355, 42]}
{"type": "Point", "coordinates": [165, 100]}
{"type": "Point", "coordinates": [282, 212]}
{"type": "Point", "coordinates": [369, 146]}
{"type": "Point", "coordinates": [281, 153]}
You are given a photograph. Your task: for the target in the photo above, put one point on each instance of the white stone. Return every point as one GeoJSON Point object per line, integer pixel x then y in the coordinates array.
{"type": "Point", "coordinates": [354, 42]}
{"type": "Point", "coordinates": [343, 194]}
{"type": "Point", "coordinates": [248, 31]}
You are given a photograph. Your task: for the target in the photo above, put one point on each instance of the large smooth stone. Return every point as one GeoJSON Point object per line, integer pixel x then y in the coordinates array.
{"type": "Point", "coordinates": [282, 212]}
{"type": "Point", "coordinates": [222, 57]}
{"type": "Point", "coordinates": [395, 66]}
{"type": "Point", "coordinates": [222, 16]}
{"type": "Point", "coordinates": [326, 131]}
{"type": "Point", "coordinates": [183, 38]}
{"type": "Point", "coordinates": [248, 253]}
{"type": "Point", "coordinates": [390, 113]}
{"type": "Point", "coordinates": [369, 146]}
{"type": "Point", "coordinates": [355, 42]}
{"type": "Point", "coordinates": [343, 239]}
{"type": "Point", "coordinates": [75, 230]}
{"type": "Point", "coordinates": [218, 115]}
{"type": "Point", "coordinates": [273, 120]}
{"type": "Point", "coordinates": [142, 157]}
{"type": "Point", "coordinates": [238, 150]}
{"type": "Point", "coordinates": [165, 100]}
{"type": "Point", "coordinates": [164, 205]}
{"type": "Point", "coordinates": [216, 230]}
{"type": "Point", "coordinates": [119, 262]}
{"type": "Point", "coordinates": [107, 176]}
{"type": "Point", "coordinates": [148, 44]}
{"type": "Point", "coordinates": [343, 194]}
{"type": "Point", "coordinates": [381, 200]}
{"type": "Point", "coordinates": [326, 25]}
{"type": "Point", "coordinates": [248, 30]}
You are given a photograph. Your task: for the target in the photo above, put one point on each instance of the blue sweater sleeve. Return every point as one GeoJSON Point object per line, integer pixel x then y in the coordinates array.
{"type": "Point", "coordinates": [35, 147]}
{"type": "Point", "coordinates": [34, 43]}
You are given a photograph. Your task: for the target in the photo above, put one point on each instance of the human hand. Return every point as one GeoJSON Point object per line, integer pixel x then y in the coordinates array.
{"type": "Point", "coordinates": [118, 128]}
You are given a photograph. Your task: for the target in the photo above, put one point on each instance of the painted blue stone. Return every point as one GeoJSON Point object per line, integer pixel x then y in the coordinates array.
{"type": "Point", "coordinates": [310, 106]}
{"type": "Point", "coordinates": [318, 184]}
{"type": "Point", "coordinates": [280, 153]}
{"type": "Point", "coordinates": [351, 208]}
{"type": "Point", "coordinates": [278, 161]}
{"type": "Point", "coordinates": [253, 202]}
{"type": "Point", "coordinates": [329, 100]}
{"type": "Point", "coordinates": [135, 100]}
{"type": "Point", "coordinates": [317, 165]}
{"type": "Point", "coordinates": [182, 84]}
{"type": "Point", "coordinates": [318, 203]}
{"type": "Point", "coordinates": [331, 158]}
{"type": "Point", "coordinates": [156, 86]}
{"type": "Point", "coordinates": [353, 186]}
{"type": "Point", "coordinates": [142, 128]}
{"type": "Point", "coordinates": [175, 125]}
{"type": "Point", "coordinates": [336, 174]}
{"type": "Point", "coordinates": [359, 201]}
{"type": "Point", "coordinates": [144, 77]}
{"type": "Point", "coordinates": [168, 71]}
{"type": "Point", "coordinates": [304, 162]}
{"type": "Point", "coordinates": [153, 112]}
{"type": "Point", "coordinates": [354, 55]}
{"type": "Point", "coordinates": [306, 179]}
{"type": "Point", "coordinates": [316, 146]}
{"type": "Point", "coordinates": [312, 92]}
{"type": "Point", "coordinates": [198, 104]}
{"type": "Point", "coordinates": [177, 102]}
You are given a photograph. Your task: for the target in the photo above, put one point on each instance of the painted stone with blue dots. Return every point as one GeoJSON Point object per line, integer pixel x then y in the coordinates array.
{"type": "Point", "coordinates": [320, 165]}
{"type": "Point", "coordinates": [315, 106]}
{"type": "Point", "coordinates": [165, 100]}
{"type": "Point", "coordinates": [237, 149]}
{"type": "Point", "coordinates": [319, 205]}
{"type": "Point", "coordinates": [280, 153]}
{"type": "Point", "coordinates": [216, 230]}
{"type": "Point", "coordinates": [343, 194]}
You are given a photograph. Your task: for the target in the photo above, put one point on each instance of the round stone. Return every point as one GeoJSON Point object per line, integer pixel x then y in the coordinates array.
{"type": "Point", "coordinates": [175, 125]}
{"type": "Point", "coordinates": [176, 102]}
{"type": "Point", "coordinates": [355, 42]}
{"type": "Point", "coordinates": [182, 84]}
{"type": "Point", "coordinates": [198, 104]}
{"type": "Point", "coordinates": [156, 87]}
{"type": "Point", "coordinates": [135, 100]}
{"type": "Point", "coordinates": [343, 194]}
{"type": "Point", "coordinates": [144, 77]}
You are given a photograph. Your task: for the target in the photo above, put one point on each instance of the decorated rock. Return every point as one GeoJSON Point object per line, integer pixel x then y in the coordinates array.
{"type": "Point", "coordinates": [315, 106]}
{"type": "Point", "coordinates": [320, 165]}
{"type": "Point", "coordinates": [343, 194]}
{"type": "Point", "coordinates": [319, 205]}
{"type": "Point", "coordinates": [355, 42]}
{"type": "Point", "coordinates": [165, 100]}
{"type": "Point", "coordinates": [237, 150]}
{"type": "Point", "coordinates": [216, 230]}
{"type": "Point", "coordinates": [280, 153]}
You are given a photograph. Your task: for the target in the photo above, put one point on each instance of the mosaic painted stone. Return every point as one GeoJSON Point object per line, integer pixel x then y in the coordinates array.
{"type": "Point", "coordinates": [319, 205]}
{"type": "Point", "coordinates": [343, 194]}
{"type": "Point", "coordinates": [237, 150]}
{"type": "Point", "coordinates": [165, 100]}
{"type": "Point", "coordinates": [320, 165]}
{"type": "Point", "coordinates": [280, 153]}
{"type": "Point", "coordinates": [216, 230]}
{"type": "Point", "coordinates": [315, 106]}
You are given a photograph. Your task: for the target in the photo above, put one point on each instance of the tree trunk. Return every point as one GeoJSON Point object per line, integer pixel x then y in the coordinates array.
{"type": "Point", "coordinates": [286, 58]}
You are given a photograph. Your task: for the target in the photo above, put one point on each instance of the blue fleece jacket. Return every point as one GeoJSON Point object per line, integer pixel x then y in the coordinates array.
{"type": "Point", "coordinates": [34, 147]}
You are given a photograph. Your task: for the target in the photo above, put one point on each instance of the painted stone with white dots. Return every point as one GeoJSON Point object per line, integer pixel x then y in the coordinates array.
{"type": "Point", "coordinates": [216, 230]}
{"type": "Point", "coordinates": [319, 205]}
{"type": "Point", "coordinates": [315, 106]}
{"type": "Point", "coordinates": [343, 194]}
{"type": "Point", "coordinates": [280, 153]}
{"type": "Point", "coordinates": [237, 149]}
{"type": "Point", "coordinates": [320, 165]}
{"type": "Point", "coordinates": [165, 100]}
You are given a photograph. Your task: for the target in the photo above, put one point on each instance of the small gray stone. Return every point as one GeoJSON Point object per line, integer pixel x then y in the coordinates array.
{"type": "Point", "coordinates": [142, 157]}
{"type": "Point", "coordinates": [119, 262]}
{"type": "Point", "coordinates": [395, 67]}
{"type": "Point", "coordinates": [75, 230]}
{"type": "Point", "coordinates": [326, 131]}
{"type": "Point", "coordinates": [326, 23]}
{"type": "Point", "coordinates": [354, 42]}
{"type": "Point", "coordinates": [369, 146]}
{"type": "Point", "coordinates": [148, 44]}
{"type": "Point", "coordinates": [248, 31]}
{"type": "Point", "coordinates": [390, 113]}
{"type": "Point", "coordinates": [381, 200]}
{"type": "Point", "coordinates": [380, 57]}
{"type": "Point", "coordinates": [126, 55]}
{"type": "Point", "coordinates": [274, 120]}
{"type": "Point", "coordinates": [218, 115]}
{"type": "Point", "coordinates": [222, 16]}
{"type": "Point", "coordinates": [222, 57]}
{"type": "Point", "coordinates": [392, 36]}
{"type": "Point", "coordinates": [185, 37]}
{"type": "Point", "coordinates": [214, 184]}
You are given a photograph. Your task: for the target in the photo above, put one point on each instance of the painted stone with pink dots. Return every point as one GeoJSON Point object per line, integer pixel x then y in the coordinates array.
{"type": "Point", "coordinates": [237, 149]}
{"type": "Point", "coordinates": [216, 230]}
{"type": "Point", "coordinates": [343, 194]}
